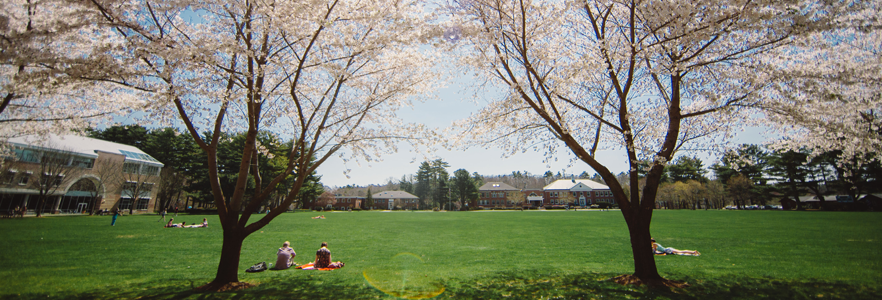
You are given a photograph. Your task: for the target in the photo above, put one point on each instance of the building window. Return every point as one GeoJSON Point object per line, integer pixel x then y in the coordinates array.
{"type": "Point", "coordinates": [142, 204]}
{"type": "Point", "coordinates": [150, 170]}
{"type": "Point", "coordinates": [23, 180]}
{"type": "Point", "coordinates": [146, 188]}
{"type": "Point", "coordinates": [131, 168]}
{"type": "Point", "coordinates": [125, 203]}
{"type": "Point", "coordinates": [83, 162]}
{"type": "Point", "coordinates": [9, 177]}
{"type": "Point", "coordinates": [47, 179]}
{"type": "Point", "coordinates": [27, 155]}
{"type": "Point", "coordinates": [129, 186]}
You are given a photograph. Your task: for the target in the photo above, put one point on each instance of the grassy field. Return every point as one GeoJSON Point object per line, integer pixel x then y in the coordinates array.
{"type": "Point", "coordinates": [461, 255]}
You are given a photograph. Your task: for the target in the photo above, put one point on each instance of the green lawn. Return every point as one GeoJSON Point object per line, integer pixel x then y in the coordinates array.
{"type": "Point", "coordinates": [462, 255]}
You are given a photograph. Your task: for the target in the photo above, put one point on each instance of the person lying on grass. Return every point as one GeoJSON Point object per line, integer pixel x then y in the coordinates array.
{"type": "Point", "coordinates": [284, 256]}
{"type": "Point", "coordinates": [658, 249]}
{"type": "Point", "coordinates": [204, 224]}
{"type": "Point", "coordinates": [319, 217]}
{"type": "Point", "coordinates": [171, 224]}
{"type": "Point", "coordinates": [322, 260]}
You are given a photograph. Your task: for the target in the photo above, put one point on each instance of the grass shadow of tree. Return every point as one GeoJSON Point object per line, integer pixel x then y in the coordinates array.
{"type": "Point", "coordinates": [528, 284]}
{"type": "Point", "coordinates": [295, 288]}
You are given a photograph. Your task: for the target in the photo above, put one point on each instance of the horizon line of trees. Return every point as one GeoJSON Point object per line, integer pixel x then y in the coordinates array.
{"type": "Point", "coordinates": [749, 175]}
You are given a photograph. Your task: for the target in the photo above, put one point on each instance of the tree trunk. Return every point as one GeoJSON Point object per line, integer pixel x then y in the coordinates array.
{"type": "Point", "coordinates": [41, 201]}
{"type": "Point", "coordinates": [638, 221]}
{"type": "Point", "coordinates": [227, 276]}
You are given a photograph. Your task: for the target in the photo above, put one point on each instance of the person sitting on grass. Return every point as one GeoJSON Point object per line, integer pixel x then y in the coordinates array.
{"type": "Point", "coordinates": [322, 260]}
{"type": "Point", "coordinates": [658, 249]}
{"type": "Point", "coordinates": [284, 256]}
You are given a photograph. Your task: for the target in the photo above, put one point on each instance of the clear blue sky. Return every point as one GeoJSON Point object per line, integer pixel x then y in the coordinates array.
{"type": "Point", "coordinates": [455, 104]}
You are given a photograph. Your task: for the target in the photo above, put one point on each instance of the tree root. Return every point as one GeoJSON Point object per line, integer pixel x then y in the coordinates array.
{"type": "Point", "coordinates": [630, 279]}
{"type": "Point", "coordinates": [225, 287]}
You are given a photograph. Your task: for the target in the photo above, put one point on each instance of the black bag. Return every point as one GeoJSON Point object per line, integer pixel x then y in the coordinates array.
{"type": "Point", "coordinates": [258, 267]}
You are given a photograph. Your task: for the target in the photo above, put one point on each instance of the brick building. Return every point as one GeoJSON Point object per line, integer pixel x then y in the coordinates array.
{"type": "Point", "coordinates": [558, 194]}
{"type": "Point", "coordinates": [395, 200]}
{"type": "Point", "coordinates": [498, 195]}
{"type": "Point", "coordinates": [576, 192]}
{"type": "Point", "coordinates": [348, 202]}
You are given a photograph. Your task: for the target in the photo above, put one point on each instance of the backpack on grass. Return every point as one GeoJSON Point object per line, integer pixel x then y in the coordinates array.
{"type": "Point", "coordinates": [258, 267]}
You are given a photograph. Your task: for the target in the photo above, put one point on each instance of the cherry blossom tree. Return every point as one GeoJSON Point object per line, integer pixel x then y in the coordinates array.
{"type": "Point", "coordinates": [54, 59]}
{"type": "Point", "coordinates": [329, 74]}
{"type": "Point", "coordinates": [828, 95]}
{"type": "Point", "coordinates": [650, 78]}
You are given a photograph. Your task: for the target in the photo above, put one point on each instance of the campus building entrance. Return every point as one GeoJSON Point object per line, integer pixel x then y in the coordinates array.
{"type": "Point", "coordinates": [79, 198]}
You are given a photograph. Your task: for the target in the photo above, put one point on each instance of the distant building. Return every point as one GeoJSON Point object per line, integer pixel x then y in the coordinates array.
{"type": "Point", "coordinates": [558, 194]}
{"type": "Point", "coordinates": [394, 200]}
{"type": "Point", "coordinates": [347, 202]}
{"type": "Point", "coordinates": [576, 192]}
{"type": "Point", "coordinates": [498, 195]}
{"type": "Point", "coordinates": [68, 169]}
{"type": "Point", "coordinates": [535, 198]}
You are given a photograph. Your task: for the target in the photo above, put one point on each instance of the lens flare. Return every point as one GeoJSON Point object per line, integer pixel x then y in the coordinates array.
{"type": "Point", "coordinates": [405, 275]}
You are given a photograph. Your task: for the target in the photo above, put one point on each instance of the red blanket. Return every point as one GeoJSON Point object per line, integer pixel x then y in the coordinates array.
{"type": "Point", "coordinates": [309, 266]}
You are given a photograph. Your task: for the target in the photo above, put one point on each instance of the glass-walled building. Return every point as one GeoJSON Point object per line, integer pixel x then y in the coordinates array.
{"type": "Point", "coordinates": [74, 174]}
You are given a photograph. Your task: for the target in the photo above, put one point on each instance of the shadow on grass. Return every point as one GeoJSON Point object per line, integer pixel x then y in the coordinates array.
{"type": "Point", "coordinates": [521, 285]}
{"type": "Point", "coordinates": [296, 288]}
{"type": "Point", "coordinates": [598, 286]}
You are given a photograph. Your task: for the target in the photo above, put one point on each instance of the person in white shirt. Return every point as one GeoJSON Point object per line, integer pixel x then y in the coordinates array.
{"type": "Point", "coordinates": [284, 256]}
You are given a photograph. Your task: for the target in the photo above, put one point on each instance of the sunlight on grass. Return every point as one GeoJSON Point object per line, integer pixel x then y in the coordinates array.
{"type": "Point", "coordinates": [405, 275]}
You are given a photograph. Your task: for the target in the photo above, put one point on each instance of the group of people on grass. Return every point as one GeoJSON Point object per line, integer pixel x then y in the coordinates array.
{"type": "Point", "coordinates": [171, 224]}
{"type": "Point", "coordinates": [286, 254]}
{"type": "Point", "coordinates": [17, 211]}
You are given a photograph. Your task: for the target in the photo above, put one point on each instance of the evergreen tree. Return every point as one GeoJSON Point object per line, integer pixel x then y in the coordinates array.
{"type": "Point", "coordinates": [463, 187]}
{"type": "Point", "coordinates": [686, 168]}
{"type": "Point", "coordinates": [368, 199]}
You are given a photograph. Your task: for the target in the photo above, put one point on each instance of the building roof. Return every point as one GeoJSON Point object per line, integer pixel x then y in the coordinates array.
{"type": "Point", "coordinates": [576, 184]}
{"type": "Point", "coordinates": [497, 186]}
{"type": "Point", "coordinates": [813, 198]}
{"type": "Point", "coordinates": [84, 146]}
{"type": "Point", "coordinates": [830, 198]}
{"type": "Point", "coordinates": [394, 195]}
